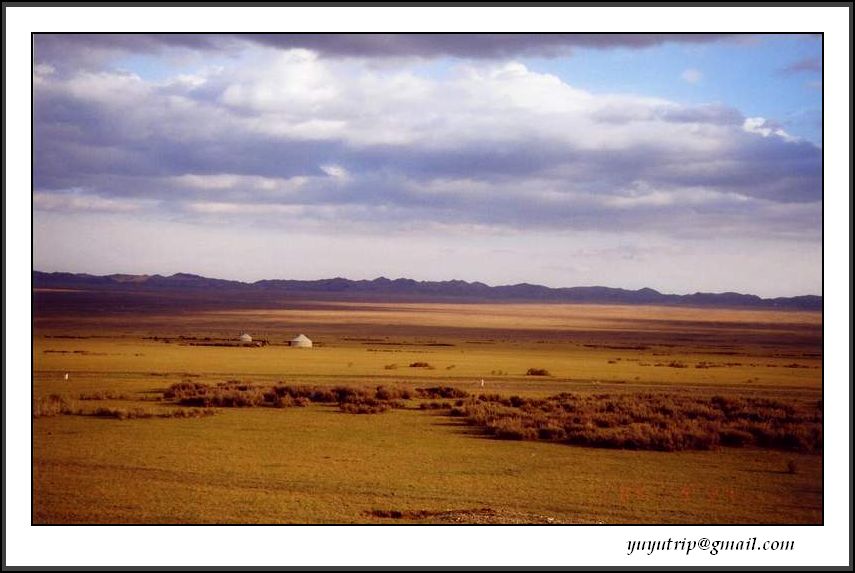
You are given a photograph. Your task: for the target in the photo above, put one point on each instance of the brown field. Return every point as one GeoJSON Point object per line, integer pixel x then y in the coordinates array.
{"type": "Point", "coordinates": [669, 415]}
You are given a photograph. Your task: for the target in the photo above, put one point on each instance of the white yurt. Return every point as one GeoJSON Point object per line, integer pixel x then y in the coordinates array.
{"type": "Point", "coordinates": [301, 341]}
{"type": "Point", "coordinates": [245, 337]}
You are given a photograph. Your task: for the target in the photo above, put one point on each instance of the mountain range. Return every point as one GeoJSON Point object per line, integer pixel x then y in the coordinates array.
{"type": "Point", "coordinates": [409, 290]}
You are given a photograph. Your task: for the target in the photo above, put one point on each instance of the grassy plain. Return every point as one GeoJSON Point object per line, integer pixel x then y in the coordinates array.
{"type": "Point", "coordinates": [319, 465]}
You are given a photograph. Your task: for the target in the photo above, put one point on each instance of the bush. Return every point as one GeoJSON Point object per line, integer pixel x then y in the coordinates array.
{"type": "Point", "coordinates": [441, 392]}
{"type": "Point", "coordinates": [121, 413]}
{"type": "Point", "coordinates": [140, 413]}
{"type": "Point", "coordinates": [733, 437]}
{"type": "Point", "coordinates": [52, 405]}
{"type": "Point", "coordinates": [285, 401]}
{"type": "Point", "coordinates": [236, 394]}
{"type": "Point", "coordinates": [103, 395]}
{"type": "Point", "coordinates": [390, 393]}
{"type": "Point", "coordinates": [419, 365]}
{"type": "Point", "coordinates": [513, 429]}
{"type": "Point", "coordinates": [551, 433]}
{"type": "Point", "coordinates": [648, 421]}
{"type": "Point", "coordinates": [369, 406]}
{"type": "Point", "coordinates": [435, 406]}
{"type": "Point", "coordinates": [537, 372]}
{"type": "Point", "coordinates": [183, 389]}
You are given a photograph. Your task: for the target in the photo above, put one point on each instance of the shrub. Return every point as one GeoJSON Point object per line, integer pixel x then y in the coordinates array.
{"type": "Point", "coordinates": [734, 437]}
{"type": "Point", "coordinates": [52, 405]}
{"type": "Point", "coordinates": [236, 394]}
{"type": "Point", "coordinates": [368, 406]}
{"type": "Point", "coordinates": [419, 365]}
{"type": "Point", "coordinates": [650, 421]}
{"type": "Point", "coordinates": [190, 413]}
{"type": "Point", "coordinates": [121, 413]}
{"type": "Point", "coordinates": [285, 401]}
{"type": "Point", "coordinates": [537, 372]}
{"type": "Point", "coordinates": [444, 392]}
{"type": "Point", "coordinates": [551, 433]}
{"type": "Point", "coordinates": [184, 389]}
{"type": "Point", "coordinates": [513, 429]}
{"type": "Point", "coordinates": [103, 395]}
{"type": "Point", "coordinates": [391, 393]}
{"type": "Point", "coordinates": [435, 406]}
{"type": "Point", "coordinates": [140, 413]}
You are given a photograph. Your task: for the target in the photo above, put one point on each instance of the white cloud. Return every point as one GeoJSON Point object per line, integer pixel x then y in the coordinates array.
{"type": "Point", "coordinates": [692, 76]}
{"type": "Point", "coordinates": [80, 201]}
{"type": "Point", "coordinates": [336, 172]}
{"type": "Point", "coordinates": [221, 181]}
{"type": "Point", "coordinates": [766, 128]}
{"type": "Point", "coordinates": [479, 144]}
{"type": "Point", "coordinates": [216, 208]}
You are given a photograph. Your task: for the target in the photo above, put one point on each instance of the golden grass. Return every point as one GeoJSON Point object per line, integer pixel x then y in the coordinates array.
{"type": "Point", "coordinates": [316, 464]}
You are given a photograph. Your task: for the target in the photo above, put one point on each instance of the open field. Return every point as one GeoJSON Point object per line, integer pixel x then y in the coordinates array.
{"type": "Point", "coordinates": [318, 464]}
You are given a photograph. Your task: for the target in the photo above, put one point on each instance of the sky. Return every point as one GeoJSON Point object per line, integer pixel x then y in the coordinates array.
{"type": "Point", "coordinates": [681, 162]}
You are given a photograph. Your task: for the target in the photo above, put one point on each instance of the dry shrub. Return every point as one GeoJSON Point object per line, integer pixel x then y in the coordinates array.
{"type": "Point", "coordinates": [367, 406]}
{"type": "Point", "coordinates": [647, 421]}
{"type": "Point", "coordinates": [734, 437]}
{"type": "Point", "coordinates": [441, 392]}
{"type": "Point", "coordinates": [184, 389]}
{"type": "Point", "coordinates": [121, 413]}
{"type": "Point", "coordinates": [56, 405]}
{"type": "Point", "coordinates": [52, 405]}
{"type": "Point", "coordinates": [391, 393]}
{"type": "Point", "coordinates": [513, 428]}
{"type": "Point", "coordinates": [189, 413]}
{"type": "Point", "coordinates": [435, 406]}
{"type": "Point", "coordinates": [537, 372]}
{"type": "Point", "coordinates": [140, 413]}
{"type": "Point", "coordinates": [420, 365]}
{"type": "Point", "coordinates": [236, 394]}
{"type": "Point", "coordinates": [103, 395]}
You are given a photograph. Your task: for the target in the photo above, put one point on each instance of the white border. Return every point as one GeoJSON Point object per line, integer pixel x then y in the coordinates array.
{"type": "Point", "coordinates": [26, 545]}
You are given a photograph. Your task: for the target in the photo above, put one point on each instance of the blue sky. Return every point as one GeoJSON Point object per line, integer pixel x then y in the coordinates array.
{"type": "Point", "coordinates": [679, 162]}
{"type": "Point", "coordinates": [751, 75]}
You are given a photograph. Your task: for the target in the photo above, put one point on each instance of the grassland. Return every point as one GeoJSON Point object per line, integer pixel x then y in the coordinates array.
{"type": "Point", "coordinates": [318, 464]}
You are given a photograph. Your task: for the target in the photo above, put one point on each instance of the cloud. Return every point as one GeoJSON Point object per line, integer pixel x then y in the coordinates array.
{"type": "Point", "coordinates": [336, 172]}
{"type": "Point", "coordinates": [479, 46]}
{"type": "Point", "coordinates": [766, 128]}
{"type": "Point", "coordinates": [77, 200]}
{"type": "Point", "coordinates": [692, 76]}
{"type": "Point", "coordinates": [88, 50]}
{"type": "Point", "coordinates": [807, 65]}
{"type": "Point", "coordinates": [296, 139]}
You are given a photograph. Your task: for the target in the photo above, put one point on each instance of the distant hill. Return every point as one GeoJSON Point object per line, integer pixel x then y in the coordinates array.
{"type": "Point", "coordinates": [410, 290]}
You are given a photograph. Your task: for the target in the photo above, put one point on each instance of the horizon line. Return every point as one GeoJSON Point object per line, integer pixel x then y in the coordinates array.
{"type": "Point", "coordinates": [431, 281]}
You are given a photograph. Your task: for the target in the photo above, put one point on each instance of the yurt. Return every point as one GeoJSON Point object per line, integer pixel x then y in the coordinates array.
{"type": "Point", "coordinates": [245, 338]}
{"type": "Point", "coordinates": [301, 341]}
